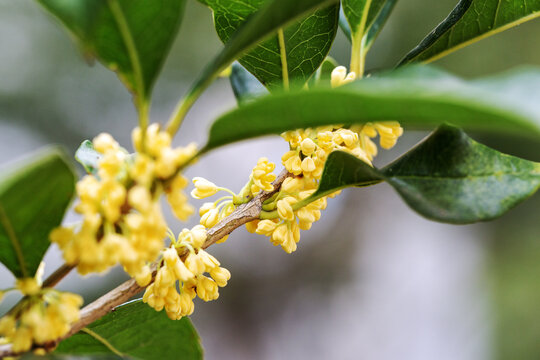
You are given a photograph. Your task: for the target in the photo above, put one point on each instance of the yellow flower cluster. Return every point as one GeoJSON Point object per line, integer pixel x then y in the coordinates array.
{"type": "Point", "coordinates": [212, 212]}
{"type": "Point", "coordinates": [288, 212]}
{"type": "Point", "coordinates": [187, 275]}
{"type": "Point", "coordinates": [122, 219]}
{"type": "Point", "coordinates": [291, 214]}
{"type": "Point", "coordinates": [44, 315]}
{"type": "Point", "coordinates": [262, 176]}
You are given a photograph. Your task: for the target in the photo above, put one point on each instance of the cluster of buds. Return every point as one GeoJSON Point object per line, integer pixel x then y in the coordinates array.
{"type": "Point", "coordinates": [211, 213]}
{"type": "Point", "coordinates": [183, 266]}
{"type": "Point", "coordinates": [122, 219]}
{"type": "Point", "coordinates": [288, 212]}
{"type": "Point", "coordinates": [44, 315]}
{"type": "Point", "coordinates": [292, 209]}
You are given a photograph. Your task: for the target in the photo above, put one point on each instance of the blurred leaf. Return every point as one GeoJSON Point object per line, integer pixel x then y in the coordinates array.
{"type": "Point", "coordinates": [471, 21]}
{"type": "Point", "coordinates": [307, 42]}
{"type": "Point", "coordinates": [245, 86]}
{"type": "Point", "coordinates": [34, 196]}
{"type": "Point", "coordinates": [137, 331]}
{"type": "Point", "coordinates": [88, 157]}
{"type": "Point", "coordinates": [448, 178]}
{"type": "Point", "coordinates": [130, 37]}
{"type": "Point", "coordinates": [419, 97]}
{"type": "Point", "coordinates": [30, 356]}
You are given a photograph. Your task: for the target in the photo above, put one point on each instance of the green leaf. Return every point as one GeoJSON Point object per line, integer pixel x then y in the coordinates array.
{"type": "Point", "coordinates": [137, 331]}
{"type": "Point", "coordinates": [34, 196]}
{"type": "Point", "coordinates": [448, 178]}
{"type": "Point", "coordinates": [362, 20]}
{"type": "Point", "coordinates": [361, 14]}
{"type": "Point", "coordinates": [323, 75]}
{"type": "Point", "coordinates": [344, 25]}
{"type": "Point", "coordinates": [30, 356]}
{"type": "Point", "coordinates": [419, 97]}
{"type": "Point", "coordinates": [245, 86]}
{"type": "Point", "coordinates": [471, 21]}
{"type": "Point", "coordinates": [307, 42]}
{"type": "Point", "coordinates": [379, 22]}
{"type": "Point", "coordinates": [88, 157]}
{"type": "Point", "coordinates": [343, 170]}
{"type": "Point", "coordinates": [275, 14]}
{"type": "Point", "coordinates": [130, 37]}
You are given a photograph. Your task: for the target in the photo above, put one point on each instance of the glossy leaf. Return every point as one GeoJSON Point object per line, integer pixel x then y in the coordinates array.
{"type": "Point", "coordinates": [380, 21]}
{"type": "Point", "coordinates": [88, 157]}
{"type": "Point", "coordinates": [471, 21]}
{"type": "Point", "coordinates": [137, 331]}
{"type": "Point", "coordinates": [343, 170]}
{"type": "Point", "coordinates": [307, 42]}
{"type": "Point", "coordinates": [361, 14]}
{"type": "Point", "coordinates": [419, 97]}
{"type": "Point", "coordinates": [34, 195]}
{"type": "Point", "coordinates": [264, 23]}
{"type": "Point", "coordinates": [376, 19]}
{"type": "Point", "coordinates": [323, 75]}
{"type": "Point", "coordinates": [130, 37]}
{"type": "Point", "coordinates": [448, 178]}
{"type": "Point", "coordinates": [275, 14]}
{"type": "Point", "coordinates": [245, 86]}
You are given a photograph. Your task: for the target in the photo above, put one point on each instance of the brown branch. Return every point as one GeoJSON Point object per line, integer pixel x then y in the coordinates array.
{"type": "Point", "coordinates": [58, 275]}
{"type": "Point", "coordinates": [243, 214]}
{"type": "Point", "coordinates": [119, 295]}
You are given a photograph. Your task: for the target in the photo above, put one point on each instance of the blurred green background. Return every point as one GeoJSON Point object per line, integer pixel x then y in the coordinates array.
{"type": "Point", "coordinates": [372, 280]}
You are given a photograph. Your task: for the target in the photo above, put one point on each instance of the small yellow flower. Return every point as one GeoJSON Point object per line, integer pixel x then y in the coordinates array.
{"type": "Point", "coordinates": [340, 77]}
{"type": "Point", "coordinates": [40, 318]}
{"type": "Point", "coordinates": [203, 188]}
{"type": "Point", "coordinates": [262, 176]}
{"type": "Point", "coordinates": [284, 208]}
{"type": "Point", "coordinates": [186, 275]}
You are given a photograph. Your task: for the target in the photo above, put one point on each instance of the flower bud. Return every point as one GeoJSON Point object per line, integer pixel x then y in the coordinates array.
{"type": "Point", "coordinates": [203, 188]}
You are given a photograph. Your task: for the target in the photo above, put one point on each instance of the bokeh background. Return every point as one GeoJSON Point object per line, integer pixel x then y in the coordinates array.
{"type": "Point", "coordinates": [372, 279]}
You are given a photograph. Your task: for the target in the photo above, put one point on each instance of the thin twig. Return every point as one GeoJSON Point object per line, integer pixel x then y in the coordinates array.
{"type": "Point", "coordinates": [119, 295]}
{"type": "Point", "coordinates": [58, 275]}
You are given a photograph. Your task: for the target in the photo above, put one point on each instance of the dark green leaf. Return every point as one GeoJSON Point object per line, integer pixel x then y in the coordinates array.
{"type": "Point", "coordinates": [377, 14]}
{"type": "Point", "coordinates": [361, 14]}
{"type": "Point", "coordinates": [131, 37]}
{"type": "Point", "coordinates": [452, 178]}
{"type": "Point", "coordinates": [274, 15]}
{"type": "Point", "coordinates": [344, 25]}
{"type": "Point", "coordinates": [33, 198]}
{"type": "Point", "coordinates": [137, 331]}
{"type": "Point", "coordinates": [307, 42]}
{"type": "Point", "coordinates": [379, 22]}
{"type": "Point", "coordinates": [88, 157]}
{"type": "Point", "coordinates": [470, 21]}
{"type": "Point", "coordinates": [343, 170]}
{"type": "Point", "coordinates": [419, 97]}
{"type": "Point", "coordinates": [323, 74]}
{"type": "Point", "coordinates": [448, 178]}
{"type": "Point", "coordinates": [245, 86]}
